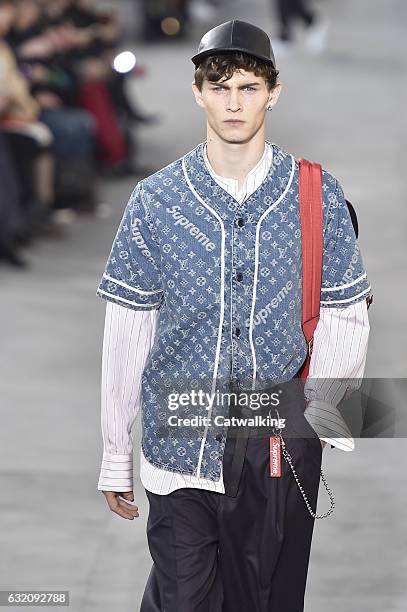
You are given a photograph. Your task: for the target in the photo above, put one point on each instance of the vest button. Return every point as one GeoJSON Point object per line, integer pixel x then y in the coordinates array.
{"type": "Point", "coordinates": [237, 331]}
{"type": "Point", "coordinates": [240, 222]}
{"type": "Point", "coordinates": [218, 438]}
{"type": "Point", "coordinates": [239, 276]}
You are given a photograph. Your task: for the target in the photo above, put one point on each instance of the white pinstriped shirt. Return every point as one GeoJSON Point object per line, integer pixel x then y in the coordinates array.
{"type": "Point", "coordinates": [339, 352]}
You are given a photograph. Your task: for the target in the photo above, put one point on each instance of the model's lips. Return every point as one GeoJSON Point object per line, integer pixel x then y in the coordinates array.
{"type": "Point", "coordinates": [233, 121]}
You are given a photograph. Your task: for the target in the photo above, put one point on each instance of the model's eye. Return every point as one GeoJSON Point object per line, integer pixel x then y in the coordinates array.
{"type": "Point", "coordinates": [218, 88]}
{"type": "Point", "coordinates": [249, 88]}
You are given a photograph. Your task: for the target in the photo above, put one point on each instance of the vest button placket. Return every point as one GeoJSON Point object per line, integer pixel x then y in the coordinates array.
{"type": "Point", "coordinates": [237, 294]}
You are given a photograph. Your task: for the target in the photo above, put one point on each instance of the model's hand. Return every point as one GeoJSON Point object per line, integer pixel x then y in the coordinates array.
{"type": "Point", "coordinates": [119, 506]}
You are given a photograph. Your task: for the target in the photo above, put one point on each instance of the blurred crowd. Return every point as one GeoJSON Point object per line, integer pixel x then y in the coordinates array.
{"type": "Point", "coordinates": [65, 116]}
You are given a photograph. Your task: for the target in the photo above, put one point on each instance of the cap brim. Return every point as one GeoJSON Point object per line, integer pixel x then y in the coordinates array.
{"type": "Point", "coordinates": [199, 57]}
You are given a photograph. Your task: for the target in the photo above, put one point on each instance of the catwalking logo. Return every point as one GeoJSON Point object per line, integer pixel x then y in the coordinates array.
{"type": "Point", "coordinates": [251, 401]}
{"type": "Point", "coordinates": [194, 230]}
{"type": "Point", "coordinates": [223, 421]}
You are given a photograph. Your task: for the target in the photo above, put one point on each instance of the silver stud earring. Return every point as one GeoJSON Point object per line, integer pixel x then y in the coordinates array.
{"type": "Point", "coordinates": [269, 108]}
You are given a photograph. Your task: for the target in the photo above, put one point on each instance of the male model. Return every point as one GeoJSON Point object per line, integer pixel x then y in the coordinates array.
{"type": "Point", "coordinates": [203, 285]}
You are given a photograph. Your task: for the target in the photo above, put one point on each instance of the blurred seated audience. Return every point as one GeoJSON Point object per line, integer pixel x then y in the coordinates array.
{"type": "Point", "coordinates": [65, 114]}
{"type": "Point", "coordinates": [42, 61]}
{"type": "Point", "coordinates": [29, 142]}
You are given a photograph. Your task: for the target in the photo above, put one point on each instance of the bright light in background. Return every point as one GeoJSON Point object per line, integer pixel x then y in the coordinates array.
{"type": "Point", "coordinates": [124, 62]}
{"type": "Point", "coordinates": [170, 26]}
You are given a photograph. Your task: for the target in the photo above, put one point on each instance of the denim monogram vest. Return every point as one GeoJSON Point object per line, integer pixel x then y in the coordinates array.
{"type": "Point", "coordinates": [227, 281]}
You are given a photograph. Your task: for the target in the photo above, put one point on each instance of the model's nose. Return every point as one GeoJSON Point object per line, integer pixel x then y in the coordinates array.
{"type": "Point", "coordinates": [234, 101]}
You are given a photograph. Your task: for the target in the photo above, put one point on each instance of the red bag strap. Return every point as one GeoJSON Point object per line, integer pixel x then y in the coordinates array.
{"type": "Point", "coordinates": [310, 200]}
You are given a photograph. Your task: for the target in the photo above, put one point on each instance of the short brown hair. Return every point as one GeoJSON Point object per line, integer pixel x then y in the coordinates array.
{"type": "Point", "coordinates": [215, 67]}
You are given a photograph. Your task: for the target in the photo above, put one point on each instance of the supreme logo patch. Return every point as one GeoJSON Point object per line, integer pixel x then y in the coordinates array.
{"type": "Point", "coordinates": [275, 456]}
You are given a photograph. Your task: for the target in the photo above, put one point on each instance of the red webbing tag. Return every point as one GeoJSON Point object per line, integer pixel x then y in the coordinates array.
{"type": "Point", "coordinates": [275, 456]}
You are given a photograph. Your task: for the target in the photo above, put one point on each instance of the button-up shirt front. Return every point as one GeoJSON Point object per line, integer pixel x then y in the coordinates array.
{"type": "Point", "coordinates": [213, 325]}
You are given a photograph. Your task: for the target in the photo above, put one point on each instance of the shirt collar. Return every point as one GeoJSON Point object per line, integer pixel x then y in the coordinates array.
{"type": "Point", "coordinates": [253, 179]}
{"type": "Point", "coordinates": [201, 183]}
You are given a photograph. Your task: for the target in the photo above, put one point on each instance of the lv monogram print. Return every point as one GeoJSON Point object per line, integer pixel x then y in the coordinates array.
{"type": "Point", "coordinates": [227, 281]}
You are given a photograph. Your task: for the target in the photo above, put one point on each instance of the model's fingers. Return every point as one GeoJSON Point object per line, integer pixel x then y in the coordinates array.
{"type": "Point", "coordinates": [127, 506]}
{"type": "Point", "coordinates": [115, 505]}
{"type": "Point", "coordinates": [124, 498]}
{"type": "Point", "coordinates": [123, 512]}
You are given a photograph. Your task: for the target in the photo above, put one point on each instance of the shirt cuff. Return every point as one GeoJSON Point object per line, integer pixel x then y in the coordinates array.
{"type": "Point", "coordinates": [345, 444]}
{"type": "Point", "coordinates": [329, 425]}
{"type": "Point", "coordinates": [116, 473]}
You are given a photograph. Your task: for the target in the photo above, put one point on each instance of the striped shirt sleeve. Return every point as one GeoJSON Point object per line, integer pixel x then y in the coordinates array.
{"type": "Point", "coordinates": [127, 341]}
{"type": "Point", "coordinates": [336, 370]}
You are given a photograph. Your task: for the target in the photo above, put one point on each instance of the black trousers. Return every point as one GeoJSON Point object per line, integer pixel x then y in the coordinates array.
{"type": "Point", "coordinates": [247, 549]}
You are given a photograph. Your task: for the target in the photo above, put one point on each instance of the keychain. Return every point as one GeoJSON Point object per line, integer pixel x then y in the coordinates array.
{"type": "Point", "coordinates": [277, 446]}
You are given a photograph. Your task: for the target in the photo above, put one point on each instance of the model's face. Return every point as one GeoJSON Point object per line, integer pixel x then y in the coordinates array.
{"type": "Point", "coordinates": [236, 108]}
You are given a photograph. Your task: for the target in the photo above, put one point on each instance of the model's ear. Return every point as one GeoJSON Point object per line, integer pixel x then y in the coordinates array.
{"type": "Point", "coordinates": [198, 95]}
{"type": "Point", "coordinates": [274, 95]}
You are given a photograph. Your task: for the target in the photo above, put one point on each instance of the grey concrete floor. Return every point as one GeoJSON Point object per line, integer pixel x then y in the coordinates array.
{"type": "Point", "coordinates": [345, 109]}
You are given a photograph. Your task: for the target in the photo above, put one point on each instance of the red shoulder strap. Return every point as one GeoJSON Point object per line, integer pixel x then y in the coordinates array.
{"type": "Point", "coordinates": [310, 200]}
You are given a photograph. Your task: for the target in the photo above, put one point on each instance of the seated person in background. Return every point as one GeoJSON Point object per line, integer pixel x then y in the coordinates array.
{"type": "Point", "coordinates": [107, 31]}
{"type": "Point", "coordinates": [29, 140]}
{"type": "Point", "coordinates": [11, 214]}
{"type": "Point", "coordinates": [96, 65]}
{"type": "Point", "coordinates": [42, 59]}
{"type": "Point", "coordinates": [80, 49]}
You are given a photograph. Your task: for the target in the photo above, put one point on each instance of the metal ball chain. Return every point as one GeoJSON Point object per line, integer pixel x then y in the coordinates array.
{"type": "Point", "coordinates": [331, 497]}
{"type": "Point", "coordinates": [287, 456]}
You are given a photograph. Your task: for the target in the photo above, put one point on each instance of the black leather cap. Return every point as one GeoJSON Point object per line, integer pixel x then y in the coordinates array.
{"type": "Point", "coordinates": [236, 35]}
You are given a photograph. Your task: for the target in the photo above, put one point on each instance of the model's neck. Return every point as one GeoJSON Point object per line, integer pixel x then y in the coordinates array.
{"type": "Point", "coordinates": [234, 160]}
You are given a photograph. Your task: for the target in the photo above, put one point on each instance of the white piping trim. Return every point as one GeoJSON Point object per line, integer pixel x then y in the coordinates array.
{"type": "Point", "coordinates": [347, 300]}
{"type": "Point", "coordinates": [232, 354]}
{"type": "Point", "coordinates": [222, 304]}
{"type": "Point", "coordinates": [118, 282]}
{"type": "Point", "coordinates": [347, 285]}
{"type": "Point", "coordinates": [116, 297]}
{"type": "Point", "coordinates": [256, 264]}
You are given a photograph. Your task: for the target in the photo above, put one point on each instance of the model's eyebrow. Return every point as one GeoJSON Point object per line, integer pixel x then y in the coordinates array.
{"type": "Point", "coordinates": [240, 86]}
